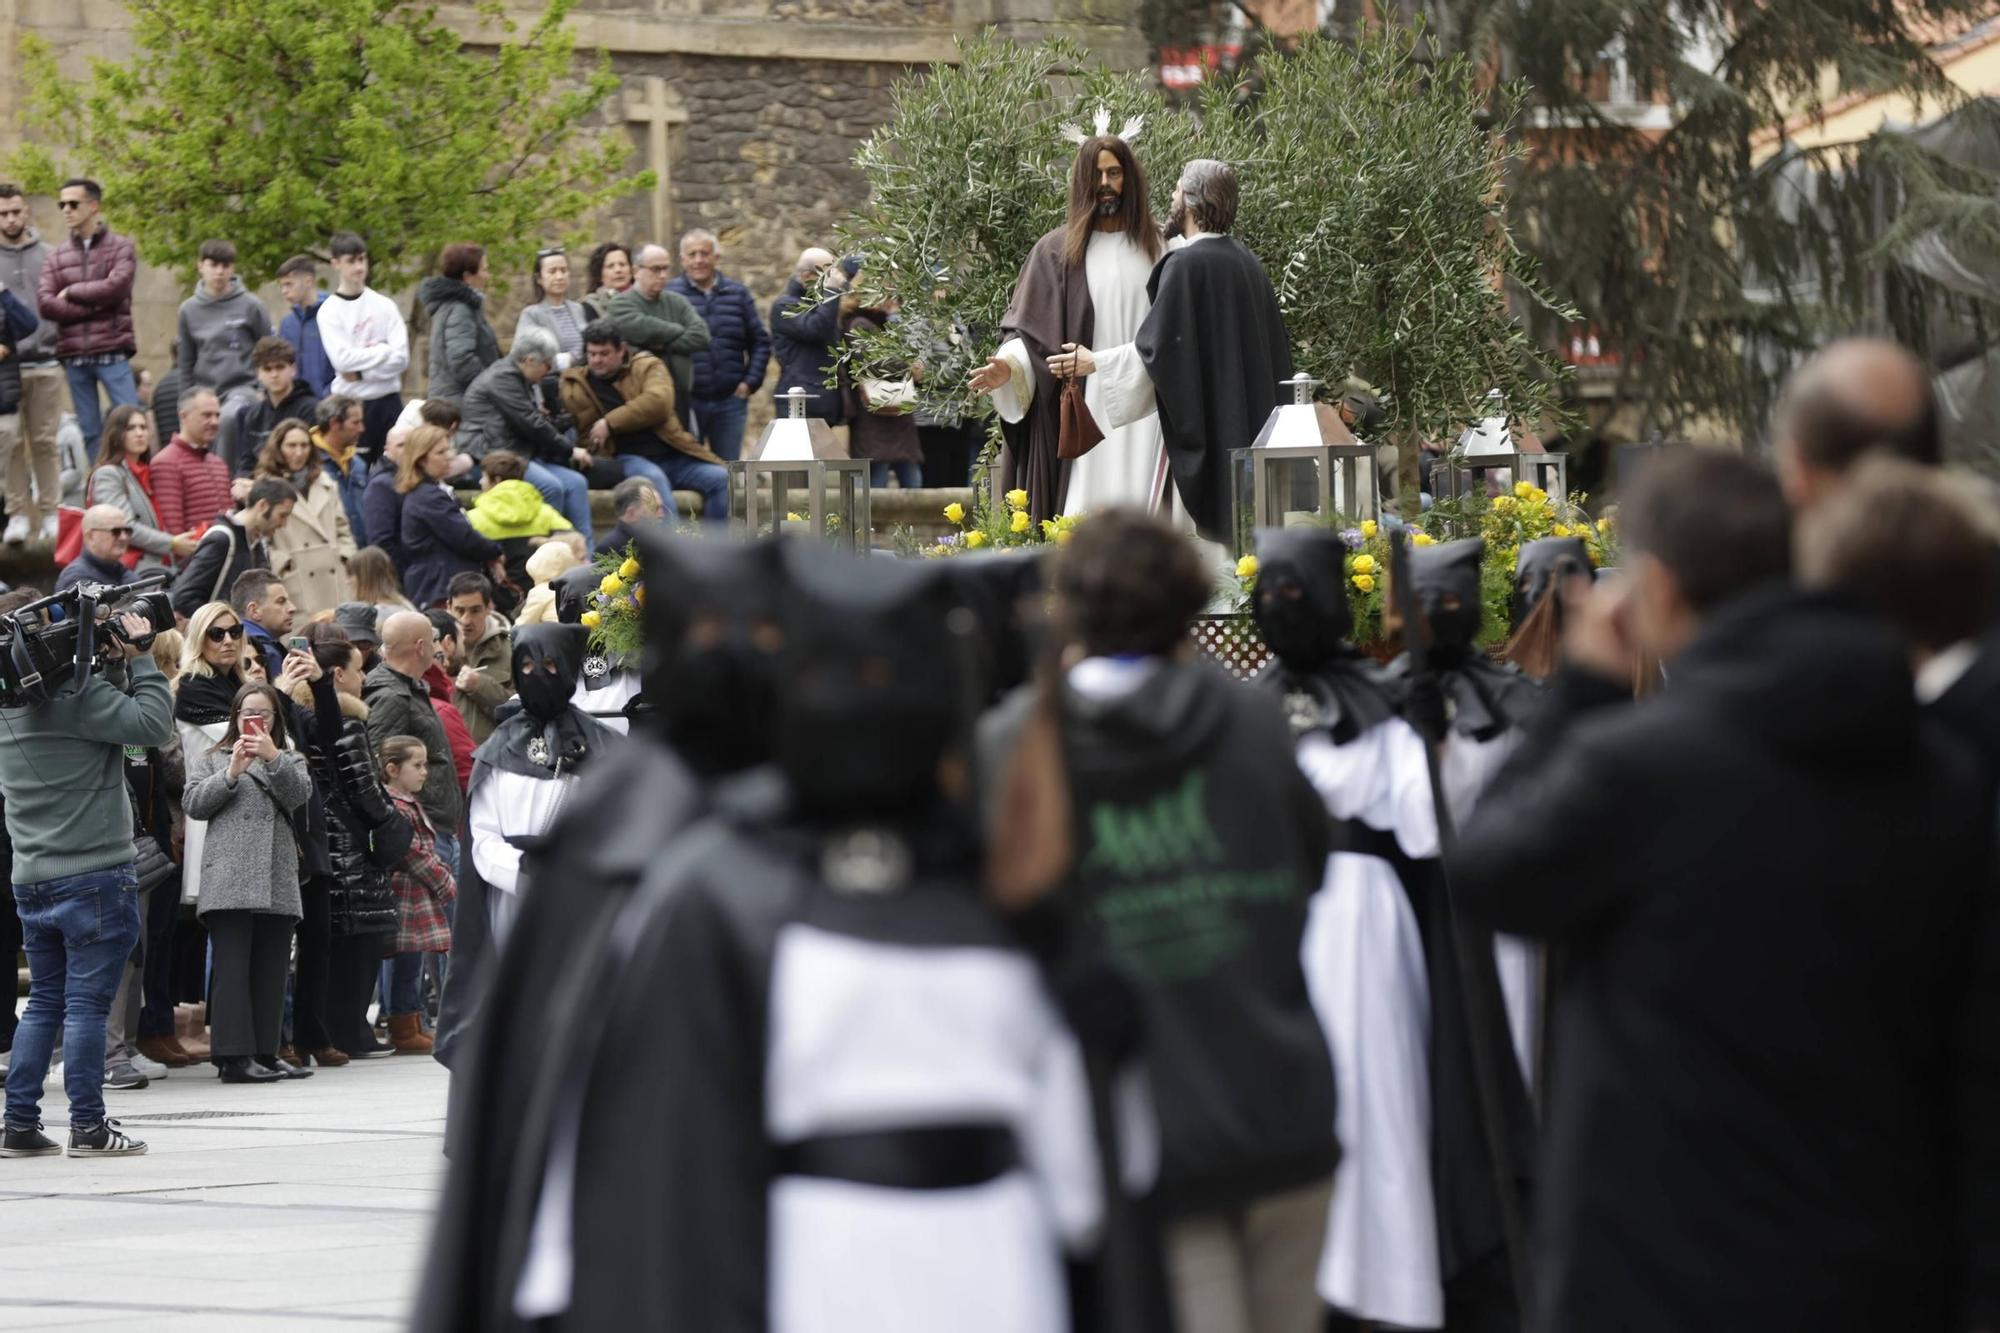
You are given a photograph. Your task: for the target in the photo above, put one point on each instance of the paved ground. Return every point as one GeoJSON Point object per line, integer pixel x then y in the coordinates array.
{"type": "Point", "coordinates": [301, 1205]}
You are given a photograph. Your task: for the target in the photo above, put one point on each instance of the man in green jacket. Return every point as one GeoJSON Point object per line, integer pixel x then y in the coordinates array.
{"type": "Point", "coordinates": [62, 773]}
{"type": "Point", "coordinates": [662, 322]}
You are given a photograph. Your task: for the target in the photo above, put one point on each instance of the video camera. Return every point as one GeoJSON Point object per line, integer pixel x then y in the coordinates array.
{"type": "Point", "coordinates": [52, 646]}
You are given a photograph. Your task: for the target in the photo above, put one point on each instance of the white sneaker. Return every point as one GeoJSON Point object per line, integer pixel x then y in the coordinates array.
{"type": "Point", "coordinates": [17, 530]}
{"type": "Point", "coordinates": [51, 528]}
{"type": "Point", "coordinates": [150, 1068]}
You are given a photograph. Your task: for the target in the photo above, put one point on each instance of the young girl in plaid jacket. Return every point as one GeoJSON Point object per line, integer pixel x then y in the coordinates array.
{"type": "Point", "coordinates": [422, 882]}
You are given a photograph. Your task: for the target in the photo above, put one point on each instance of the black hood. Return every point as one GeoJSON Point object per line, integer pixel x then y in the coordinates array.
{"type": "Point", "coordinates": [870, 686]}
{"type": "Point", "coordinates": [438, 290]}
{"type": "Point", "coordinates": [1303, 614]}
{"type": "Point", "coordinates": [1445, 579]}
{"type": "Point", "coordinates": [548, 662]}
{"type": "Point", "coordinates": [573, 588]}
{"type": "Point", "coordinates": [1537, 567]}
{"type": "Point", "coordinates": [1809, 672]}
{"type": "Point", "coordinates": [713, 634]}
{"type": "Point", "coordinates": [1006, 593]}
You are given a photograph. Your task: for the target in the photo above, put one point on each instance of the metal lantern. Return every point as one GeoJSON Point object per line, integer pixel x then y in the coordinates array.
{"type": "Point", "coordinates": [797, 467]}
{"type": "Point", "coordinates": [1488, 460]}
{"type": "Point", "coordinates": [1299, 473]}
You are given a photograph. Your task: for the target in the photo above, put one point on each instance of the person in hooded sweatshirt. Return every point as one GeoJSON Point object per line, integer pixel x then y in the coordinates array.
{"type": "Point", "coordinates": [219, 325]}
{"type": "Point", "coordinates": [1364, 947]}
{"type": "Point", "coordinates": [1195, 846]}
{"type": "Point", "coordinates": [718, 697]}
{"type": "Point", "coordinates": [1775, 1058]}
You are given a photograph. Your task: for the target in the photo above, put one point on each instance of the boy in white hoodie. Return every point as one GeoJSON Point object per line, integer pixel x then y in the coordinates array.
{"type": "Point", "coordinates": [365, 339]}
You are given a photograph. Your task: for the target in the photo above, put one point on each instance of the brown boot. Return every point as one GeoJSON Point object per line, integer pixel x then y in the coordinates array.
{"type": "Point", "coordinates": [330, 1057]}
{"type": "Point", "coordinates": [164, 1051]}
{"type": "Point", "coordinates": [290, 1055]}
{"type": "Point", "coordinates": [406, 1036]}
{"type": "Point", "coordinates": [174, 1044]}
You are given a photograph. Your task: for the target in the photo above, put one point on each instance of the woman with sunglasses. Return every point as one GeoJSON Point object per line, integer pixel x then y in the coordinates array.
{"type": "Point", "coordinates": [123, 477]}
{"type": "Point", "coordinates": [212, 674]}
{"type": "Point", "coordinates": [247, 785]}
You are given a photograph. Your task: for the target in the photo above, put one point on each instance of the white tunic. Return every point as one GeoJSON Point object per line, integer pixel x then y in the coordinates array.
{"type": "Point", "coordinates": [604, 702]}
{"type": "Point", "coordinates": [1364, 966]}
{"type": "Point", "coordinates": [868, 1035]}
{"type": "Point", "coordinates": [509, 805]}
{"type": "Point", "coordinates": [1129, 465]}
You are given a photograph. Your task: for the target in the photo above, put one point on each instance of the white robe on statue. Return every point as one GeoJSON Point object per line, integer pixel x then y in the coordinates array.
{"type": "Point", "coordinates": [1129, 465]}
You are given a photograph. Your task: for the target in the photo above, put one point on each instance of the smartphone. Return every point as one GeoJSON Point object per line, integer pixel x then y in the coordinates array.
{"type": "Point", "coordinates": [298, 643]}
{"type": "Point", "coordinates": [255, 725]}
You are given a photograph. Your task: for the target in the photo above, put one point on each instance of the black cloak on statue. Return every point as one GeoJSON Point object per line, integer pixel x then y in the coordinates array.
{"type": "Point", "coordinates": [1216, 347]}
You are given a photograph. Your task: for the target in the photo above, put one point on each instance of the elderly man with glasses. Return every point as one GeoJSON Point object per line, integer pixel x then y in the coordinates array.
{"type": "Point", "coordinates": [661, 321]}
{"type": "Point", "coordinates": [107, 535]}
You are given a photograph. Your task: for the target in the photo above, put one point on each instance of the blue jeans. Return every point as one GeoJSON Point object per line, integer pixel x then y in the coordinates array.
{"type": "Point", "coordinates": [710, 479]}
{"type": "Point", "coordinates": [909, 475]}
{"type": "Point", "coordinates": [566, 490]}
{"type": "Point", "coordinates": [83, 381]}
{"type": "Point", "coordinates": [718, 423]}
{"type": "Point", "coordinates": [78, 933]}
{"type": "Point", "coordinates": [633, 466]}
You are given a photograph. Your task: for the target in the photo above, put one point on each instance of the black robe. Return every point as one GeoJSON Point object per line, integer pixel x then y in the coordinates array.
{"type": "Point", "coordinates": [625, 810]}
{"type": "Point", "coordinates": [1051, 307]}
{"type": "Point", "coordinates": [1216, 348]}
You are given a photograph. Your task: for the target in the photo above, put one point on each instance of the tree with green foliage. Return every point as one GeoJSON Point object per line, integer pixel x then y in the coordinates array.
{"type": "Point", "coordinates": [276, 122]}
{"type": "Point", "coordinates": [1371, 191]}
{"type": "Point", "coordinates": [1705, 260]}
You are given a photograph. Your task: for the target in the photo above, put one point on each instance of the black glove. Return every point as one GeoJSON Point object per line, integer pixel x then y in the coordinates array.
{"type": "Point", "coordinates": [357, 777]}
{"type": "Point", "coordinates": [1423, 705]}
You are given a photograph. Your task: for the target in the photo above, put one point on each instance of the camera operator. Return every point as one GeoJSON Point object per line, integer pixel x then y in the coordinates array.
{"type": "Point", "coordinates": [62, 772]}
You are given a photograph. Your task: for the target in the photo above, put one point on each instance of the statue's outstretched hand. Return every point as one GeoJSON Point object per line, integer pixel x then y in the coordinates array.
{"type": "Point", "coordinates": [993, 375]}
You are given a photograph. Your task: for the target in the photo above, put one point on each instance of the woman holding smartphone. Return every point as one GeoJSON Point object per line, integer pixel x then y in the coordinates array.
{"type": "Point", "coordinates": [246, 785]}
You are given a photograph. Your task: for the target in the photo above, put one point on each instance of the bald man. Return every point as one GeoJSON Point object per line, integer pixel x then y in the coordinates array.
{"type": "Point", "coordinates": [399, 704]}
{"type": "Point", "coordinates": [803, 334]}
{"type": "Point", "coordinates": [662, 322]}
{"type": "Point", "coordinates": [1852, 398]}
{"type": "Point", "coordinates": [107, 534]}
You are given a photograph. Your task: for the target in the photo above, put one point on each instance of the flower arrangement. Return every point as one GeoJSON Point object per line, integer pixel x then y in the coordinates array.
{"type": "Point", "coordinates": [616, 618]}
{"type": "Point", "coordinates": [987, 528]}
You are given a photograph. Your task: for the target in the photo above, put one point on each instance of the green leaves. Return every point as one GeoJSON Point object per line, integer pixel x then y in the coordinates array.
{"type": "Point", "coordinates": [275, 122]}
{"type": "Point", "coordinates": [1370, 191]}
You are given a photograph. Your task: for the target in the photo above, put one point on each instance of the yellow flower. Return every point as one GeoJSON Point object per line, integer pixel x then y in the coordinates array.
{"type": "Point", "coordinates": [1365, 582]}
{"type": "Point", "coordinates": [975, 539]}
{"type": "Point", "coordinates": [794, 518]}
{"type": "Point", "coordinates": [1604, 525]}
{"type": "Point", "coordinates": [1504, 503]}
{"type": "Point", "coordinates": [1246, 568]}
{"type": "Point", "coordinates": [1017, 499]}
{"type": "Point", "coordinates": [955, 512]}
{"type": "Point", "coordinates": [1368, 528]}
{"type": "Point", "coordinates": [1424, 539]}
{"type": "Point", "coordinates": [1522, 489]}
{"type": "Point", "coordinates": [611, 586]}
{"type": "Point", "coordinates": [591, 620]}
{"type": "Point", "coordinates": [1561, 529]}
{"type": "Point", "coordinates": [1020, 522]}
{"type": "Point", "coordinates": [629, 570]}
{"type": "Point", "coordinates": [1050, 528]}
{"type": "Point", "coordinates": [1364, 564]}
{"type": "Point", "coordinates": [1536, 495]}
{"type": "Point", "coordinates": [1063, 536]}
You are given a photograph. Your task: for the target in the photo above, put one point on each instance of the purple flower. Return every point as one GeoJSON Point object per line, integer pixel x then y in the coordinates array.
{"type": "Point", "coordinates": [1352, 536]}
{"type": "Point", "coordinates": [951, 539]}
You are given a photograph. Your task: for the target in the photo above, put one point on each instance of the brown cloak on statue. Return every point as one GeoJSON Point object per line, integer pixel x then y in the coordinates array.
{"type": "Point", "coordinates": [1051, 307]}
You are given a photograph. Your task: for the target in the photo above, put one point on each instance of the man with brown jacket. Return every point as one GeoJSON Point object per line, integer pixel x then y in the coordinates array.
{"type": "Point", "coordinates": [623, 402]}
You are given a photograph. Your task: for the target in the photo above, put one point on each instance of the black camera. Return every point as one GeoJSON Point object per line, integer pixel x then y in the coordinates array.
{"type": "Point", "coordinates": [52, 646]}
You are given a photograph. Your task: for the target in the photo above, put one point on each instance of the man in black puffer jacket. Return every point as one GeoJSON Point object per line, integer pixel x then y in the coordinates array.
{"type": "Point", "coordinates": [732, 366]}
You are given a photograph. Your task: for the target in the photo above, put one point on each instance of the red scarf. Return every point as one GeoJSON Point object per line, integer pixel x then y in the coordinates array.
{"type": "Point", "coordinates": [144, 472]}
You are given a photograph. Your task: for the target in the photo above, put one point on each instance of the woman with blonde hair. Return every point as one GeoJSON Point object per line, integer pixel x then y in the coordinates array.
{"type": "Point", "coordinates": [311, 552]}
{"type": "Point", "coordinates": [205, 688]}
{"type": "Point", "coordinates": [375, 582]}
{"type": "Point", "coordinates": [439, 542]}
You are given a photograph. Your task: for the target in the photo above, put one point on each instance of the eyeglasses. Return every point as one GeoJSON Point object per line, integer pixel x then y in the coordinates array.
{"type": "Point", "coordinates": [657, 268]}
{"type": "Point", "coordinates": [124, 532]}
{"type": "Point", "coordinates": [217, 633]}
{"type": "Point", "coordinates": [67, 204]}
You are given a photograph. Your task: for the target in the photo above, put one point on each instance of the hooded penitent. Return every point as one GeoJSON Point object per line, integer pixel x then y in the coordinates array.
{"type": "Point", "coordinates": [1540, 566]}
{"type": "Point", "coordinates": [712, 641]}
{"type": "Point", "coordinates": [1302, 613]}
{"type": "Point", "coordinates": [1482, 698]}
{"type": "Point", "coordinates": [1006, 593]}
{"type": "Point", "coordinates": [547, 736]}
{"type": "Point", "coordinates": [869, 693]}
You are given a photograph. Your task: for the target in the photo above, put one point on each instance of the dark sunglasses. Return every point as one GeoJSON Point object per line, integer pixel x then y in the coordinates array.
{"type": "Point", "coordinates": [217, 633]}
{"type": "Point", "coordinates": [67, 204]}
{"type": "Point", "coordinates": [122, 532]}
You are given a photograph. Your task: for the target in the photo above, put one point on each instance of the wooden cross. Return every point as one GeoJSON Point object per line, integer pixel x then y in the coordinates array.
{"type": "Point", "coordinates": [659, 113]}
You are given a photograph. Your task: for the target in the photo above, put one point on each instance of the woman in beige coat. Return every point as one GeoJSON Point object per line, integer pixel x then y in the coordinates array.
{"type": "Point", "coordinates": [311, 552]}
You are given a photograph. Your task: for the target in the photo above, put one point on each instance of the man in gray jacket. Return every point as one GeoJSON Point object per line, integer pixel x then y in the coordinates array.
{"type": "Point", "coordinates": [220, 325]}
{"type": "Point", "coordinates": [399, 704]}
{"type": "Point", "coordinates": [34, 475]}
{"type": "Point", "coordinates": [62, 772]}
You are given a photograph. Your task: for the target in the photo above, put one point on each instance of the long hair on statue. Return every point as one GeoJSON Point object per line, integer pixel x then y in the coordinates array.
{"type": "Point", "coordinates": [1135, 212]}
